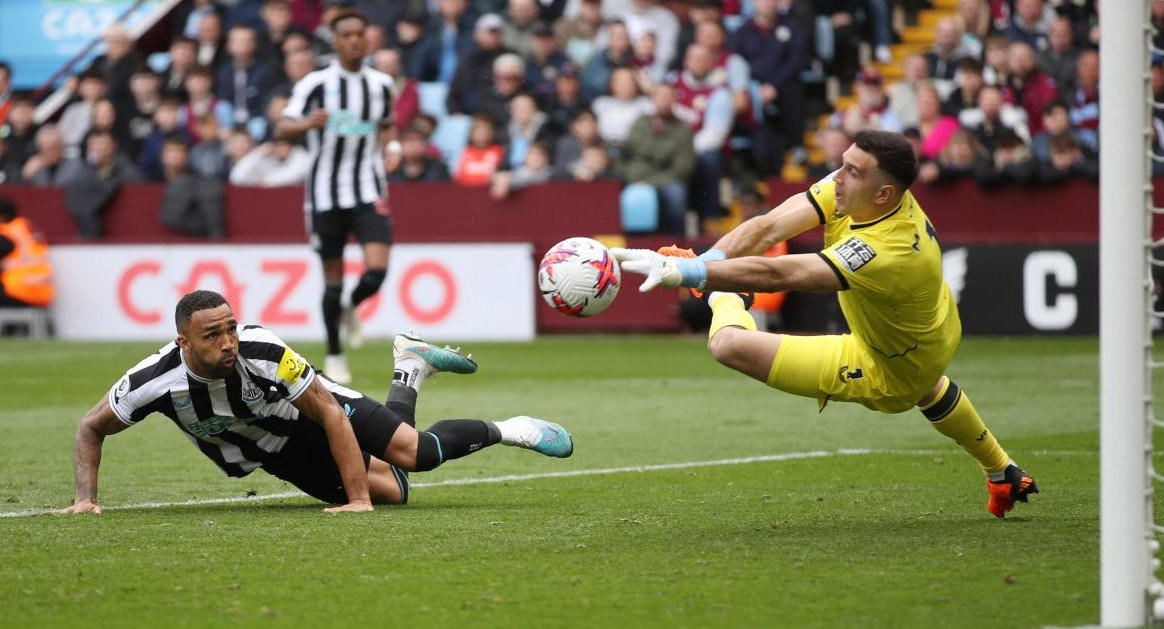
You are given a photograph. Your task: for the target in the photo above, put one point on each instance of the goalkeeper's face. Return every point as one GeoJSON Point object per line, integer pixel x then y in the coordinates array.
{"type": "Point", "coordinates": [860, 185]}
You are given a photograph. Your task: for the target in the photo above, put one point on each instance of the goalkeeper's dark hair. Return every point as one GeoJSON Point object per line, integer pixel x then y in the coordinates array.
{"type": "Point", "coordinates": [894, 154]}
{"type": "Point", "coordinates": [193, 302]}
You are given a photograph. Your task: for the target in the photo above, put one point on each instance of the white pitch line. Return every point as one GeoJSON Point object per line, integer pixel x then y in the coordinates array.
{"type": "Point", "coordinates": [768, 458]}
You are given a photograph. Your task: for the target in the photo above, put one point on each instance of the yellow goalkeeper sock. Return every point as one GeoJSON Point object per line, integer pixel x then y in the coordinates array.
{"type": "Point", "coordinates": [727, 310]}
{"type": "Point", "coordinates": [952, 414]}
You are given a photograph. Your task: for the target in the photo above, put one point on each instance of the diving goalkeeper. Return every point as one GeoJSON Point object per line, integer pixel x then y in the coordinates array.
{"type": "Point", "coordinates": [882, 257]}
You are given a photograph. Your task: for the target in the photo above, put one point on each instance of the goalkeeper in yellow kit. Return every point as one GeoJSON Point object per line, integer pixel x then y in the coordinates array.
{"type": "Point", "coordinates": [882, 257]}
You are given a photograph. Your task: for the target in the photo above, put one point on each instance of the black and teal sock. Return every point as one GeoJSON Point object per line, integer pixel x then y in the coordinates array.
{"type": "Point", "coordinates": [451, 439]}
{"type": "Point", "coordinates": [369, 283]}
{"type": "Point", "coordinates": [402, 402]}
{"type": "Point", "coordinates": [331, 316]}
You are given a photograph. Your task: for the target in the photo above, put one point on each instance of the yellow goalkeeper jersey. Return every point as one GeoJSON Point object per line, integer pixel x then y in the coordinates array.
{"type": "Point", "coordinates": [895, 298]}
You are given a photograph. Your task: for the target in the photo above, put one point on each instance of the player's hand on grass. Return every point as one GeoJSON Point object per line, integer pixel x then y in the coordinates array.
{"type": "Point", "coordinates": [81, 507]}
{"type": "Point", "coordinates": [660, 270]}
{"type": "Point", "coordinates": [352, 507]}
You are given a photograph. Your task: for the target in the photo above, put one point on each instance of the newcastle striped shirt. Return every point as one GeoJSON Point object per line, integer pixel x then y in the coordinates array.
{"type": "Point", "coordinates": [346, 168]}
{"type": "Point", "coordinates": [240, 421]}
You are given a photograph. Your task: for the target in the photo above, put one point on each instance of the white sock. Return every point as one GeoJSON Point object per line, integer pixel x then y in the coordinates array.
{"type": "Point", "coordinates": [410, 371]}
{"type": "Point", "coordinates": [511, 432]}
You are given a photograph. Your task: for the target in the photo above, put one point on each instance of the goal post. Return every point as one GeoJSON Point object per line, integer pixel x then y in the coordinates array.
{"type": "Point", "coordinates": [1126, 529]}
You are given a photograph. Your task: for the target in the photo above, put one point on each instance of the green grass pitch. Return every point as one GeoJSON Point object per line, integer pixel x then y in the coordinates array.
{"type": "Point", "coordinates": [894, 536]}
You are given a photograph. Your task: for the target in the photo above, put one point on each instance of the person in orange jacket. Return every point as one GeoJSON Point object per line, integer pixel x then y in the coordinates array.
{"type": "Point", "coordinates": [26, 275]}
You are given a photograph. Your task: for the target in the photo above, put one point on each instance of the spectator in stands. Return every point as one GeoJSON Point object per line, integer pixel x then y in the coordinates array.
{"type": "Point", "coordinates": [777, 50]}
{"type": "Point", "coordinates": [643, 61]}
{"type": "Point", "coordinates": [202, 101]}
{"type": "Point", "coordinates": [117, 63]}
{"type": "Point", "coordinates": [619, 111]}
{"type": "Point", "coordinates": [593, 165]}
{"type": "Point", "coordinates": [105, 119]}
{"type": "Point", "coordinates": [729, 70]}
{"type": "Point", "coordinates": [1030, 23]}
{"type": "Point", "coordinates": [78, 117]}
{"type": "Point", "coordinates": [1056, 121]}
{"type": "Point", "coordinates": [388, 13]}
{"type": "Point", "coordinates": [145, 86]}
{"type": "Point", "coordinates": [870, 111]}
{"type": "Point", "coordinates": [1084, 98]}
{"type": "Point", "coordinates": [276, 25]}
{"type": "Point", "coordinates": [523, 20]}
{"type": "Point", "coordinates": [1027, 86]}
{"type": "Point", "coordinates": [191, 204]}
{"type": "Point", "coordinates": [1012, 163]}
{"type": "Point", "coordinates": [903, 94]}
{"type": "Point", "coordinates": [165, 124]}
{"type": "Point", "coordinates": [413, 162]}
{"type": "Point", "coordinates": [20, 129]}
{"type": "Point", "coordinates": [448, 37]}
{"type": "Point", "coordinates": [578, 36]}
{"type": "Point", "coordinates": [482, 157]}
{"type": "Point", "coordinates": [209, 158]}
{"type": "Point", "coordinates": [239, 144]}
{"type": "Point", "coordinates": [408, 39]}
{"type": "Point", "coordinates": [616, 54]}
{"type": "Point", "coordinates": [583, 133]}
{"type": "Point", "coordinates": [961, 158]}
{"type": "Point", "coordinates": [405, 94]}
{"type": "Point", "coordinates": [1058, 59]}
{"type": "Point", "coordinates": [526, 126]}
{"type": "Point", "coordinates": [935, 128]}
{"type": "Point", "coordinates": [508, 83]}
{"type": "Point", "coordinates": [244, 78]}
{"type": "Point", "coordinates": [995, 68]}
{"type": "Point", "coordinates": [699, 12]}
{"type": "Point", "coordinates": [183, 56]}
{"type": "Point", "coordinates": [993, 118]}
{"type": "Point", "coordinates": [647, 16]}
{"type": "Point", "coordinates": [975, 18]}
{"type": "Point", "coordinates": [5, 90]}
{"type": "Point", "coordinates": [837, 38]}
{"type": "Point", "coordinates": [209, 37]}
{"type": "Point", "coordinates": [91, 183]}
{"type": "Point", "coordinates": [1067, 160]}
{"type": "Point", "coordinates": [564, 103]}
{"type": "Point", "coordinates": [660, 151]}
{"type": "Point", "coordinates": [188, 17]}
{"type": "Point", "coordinates": [534, 169]}
{"type": "Point", "coordinates": [272, 164]}
{"type": "Point", "coordinates": [544, 63]}
{"type": "Point", "coordinates": [296, 65]}
{"type": "Point", "coordinates": [44, 167]}
{"type": "Point", "coordinates": [474, 72]}
{"type": "Point", "coordinates": [706, 107]}
{"type": "Point", "coordinates": [833, 142]}
{"type": "Point", "coordinates": [967, 85]}
{"type": "Point", "coordinates": [26, 274]}
{"type": "Point", "coordinates": [9, 165]}
{"type": "Point", "coordinates": [948, 50]}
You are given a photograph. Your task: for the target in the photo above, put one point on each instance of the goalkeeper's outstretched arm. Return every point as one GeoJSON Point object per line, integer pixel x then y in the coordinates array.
{"type": "Point", "coordinates": [755, 236]}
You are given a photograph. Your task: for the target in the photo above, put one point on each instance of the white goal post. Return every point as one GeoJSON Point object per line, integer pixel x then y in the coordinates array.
{"type": "Point", "coordinates": [1127, 533]}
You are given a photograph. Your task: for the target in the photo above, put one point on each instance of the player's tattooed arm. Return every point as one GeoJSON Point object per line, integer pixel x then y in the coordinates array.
{"type": "Point", "coordinates": [97, 424]}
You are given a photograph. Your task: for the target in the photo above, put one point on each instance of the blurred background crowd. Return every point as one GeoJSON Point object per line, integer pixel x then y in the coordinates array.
{"type": "Point", "coordinates": [690, 104]}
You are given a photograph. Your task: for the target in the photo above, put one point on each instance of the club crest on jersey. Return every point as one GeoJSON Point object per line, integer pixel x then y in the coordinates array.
{"type": "Point", "coordinates": [854, 253]}
{"type": "Point", "coordinates": [251, 392]}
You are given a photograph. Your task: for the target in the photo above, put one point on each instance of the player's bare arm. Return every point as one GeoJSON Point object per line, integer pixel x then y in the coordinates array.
{"type": "Point", "coordinates": [97, 424]}
{"type": "Point", "coordinates": [289, 129]}
{"type": "Point", "coordinates": [756, 235]}
{"type": "Point", "coordinates": [805, 272]}
{"type": "Point", "coordinates": [317, 404]}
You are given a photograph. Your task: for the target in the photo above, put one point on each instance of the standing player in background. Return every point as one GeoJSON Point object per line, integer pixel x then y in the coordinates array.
{"type": "Point", "coordinates": [342, 108]}
{"type": "Point", "coordinates": [882, 257]}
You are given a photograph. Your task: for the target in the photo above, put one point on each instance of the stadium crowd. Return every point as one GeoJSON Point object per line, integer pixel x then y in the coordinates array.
{"type": "Point", "coordinates": [677, 98]}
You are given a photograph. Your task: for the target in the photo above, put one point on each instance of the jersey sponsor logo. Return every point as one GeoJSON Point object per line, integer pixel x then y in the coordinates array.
{"type": "Point", "coordinates": [251, 392]}
{"type": "Point", "coordinates": [347, 123]}
{"type": "Point", "coordinates": [210, 426]}
{"type": "Point", "coordinates": [121, 390]}
{"type": "Point", "coordinates": [291, 367]}
{"type": "Point", "coordinates": [854, 253]}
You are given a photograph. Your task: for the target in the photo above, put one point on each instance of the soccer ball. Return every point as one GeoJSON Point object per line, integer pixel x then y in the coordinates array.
{"type": "Point", "coordinates": [579, 277]}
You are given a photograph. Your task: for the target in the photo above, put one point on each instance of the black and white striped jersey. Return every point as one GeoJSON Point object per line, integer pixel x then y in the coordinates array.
{"type": "Point", "coordinates": [346, 168]}
{"type": "Point", "coordinates": [239, 421]}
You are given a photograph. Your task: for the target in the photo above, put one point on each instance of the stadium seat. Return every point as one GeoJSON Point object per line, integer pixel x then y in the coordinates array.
{"type": "Point", "coordinates": [639, 205]}
{"type": "Point", "coordinates": [451, 136]}
{"type": "Point", "coordinates": [432, 99]}
{"type": "Point", "coordinates": [34, 320]}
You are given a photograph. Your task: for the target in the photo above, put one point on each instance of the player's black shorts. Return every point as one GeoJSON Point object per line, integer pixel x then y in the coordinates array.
{"type": "Point", "coordinates": [306, 461]}
{"type": "Point", "coordinates": [330, 229]}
